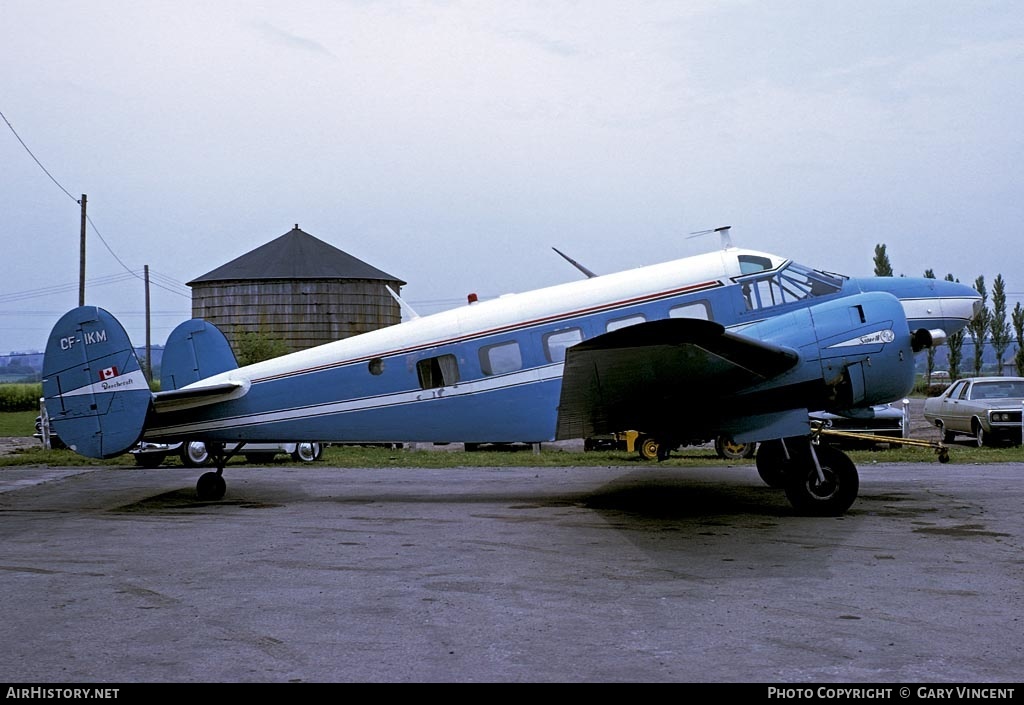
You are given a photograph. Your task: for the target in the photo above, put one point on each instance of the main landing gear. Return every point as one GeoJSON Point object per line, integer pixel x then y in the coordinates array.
{"type": "Point", "coordinates": [211, 485]}
{"type": "Point", "coordinates": [819, 480]}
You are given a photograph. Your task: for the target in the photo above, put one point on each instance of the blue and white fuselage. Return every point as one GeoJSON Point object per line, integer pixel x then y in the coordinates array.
{"type": "Point", "coordinates": [734, 343]}
{"type": "Point", "coordinates": [492, 371]}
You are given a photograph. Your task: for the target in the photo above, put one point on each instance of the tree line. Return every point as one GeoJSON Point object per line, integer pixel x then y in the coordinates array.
{"type": "Point", "coordinates": [990, 325]}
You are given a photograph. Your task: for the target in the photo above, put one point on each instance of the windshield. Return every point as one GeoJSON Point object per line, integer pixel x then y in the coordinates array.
{"type": "Point", "coordinates": [789, 284]}
{"type": "Point", "coordinates": [998, 390]}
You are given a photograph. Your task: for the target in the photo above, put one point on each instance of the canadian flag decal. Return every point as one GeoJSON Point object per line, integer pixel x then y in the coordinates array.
{"type": "Point", "coordinates": [108, 373]}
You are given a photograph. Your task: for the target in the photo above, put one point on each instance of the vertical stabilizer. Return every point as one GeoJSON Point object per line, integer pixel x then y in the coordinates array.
{"type": "Point", "coordinates": [196, 349]}
{"type": "Point", "coordinates": [95, 392]}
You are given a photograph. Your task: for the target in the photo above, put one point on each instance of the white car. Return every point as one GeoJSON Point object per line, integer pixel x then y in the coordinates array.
{"type": "Point", "coordinates": [986, 408]}
{"type": "Point", "coordinates": [194, 454]}
{"type": "Point", "coordinates": [881, 421]}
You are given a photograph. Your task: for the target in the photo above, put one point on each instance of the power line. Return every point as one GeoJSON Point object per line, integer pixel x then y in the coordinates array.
{"type": "Point", "coordinates": [98, 281]}
{"type": "Point", "coordinates": [76, 200]}
{"type": "Point", "coordinates": [15, 132]}
{"type": "Point", "coordinates": [61, 288]}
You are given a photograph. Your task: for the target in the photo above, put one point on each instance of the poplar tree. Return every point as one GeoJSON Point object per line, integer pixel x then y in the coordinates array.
{"type": "Point", "coordinates": [978, 327]}
{"type": "Point", "coordinates": [999, 326]}
{"type": "Point", "coordinates": [956, 345]}
{"type": "Point", "coordinates": [882, 266]}
{"type": "Point", "coordinates": [1018, 328]}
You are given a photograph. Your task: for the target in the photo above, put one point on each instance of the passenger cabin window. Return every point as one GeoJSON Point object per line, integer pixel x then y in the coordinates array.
{"type": "Point", "coordinates": [440, 371]}
{"type": "Point", "coordinates": [695, 309]}
{"type": "Point", "coordinates": [787, 285]}
{"type": "Point", "coordinates": [556, 343]}
{"type": "Point", "coordinates": [625, 322]}
{"type": "Point", "coordinates": [501, 358]}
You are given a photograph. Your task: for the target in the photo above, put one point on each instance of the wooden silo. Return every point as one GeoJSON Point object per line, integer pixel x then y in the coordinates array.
{"type": "Point", "coordinates": [297, 289]}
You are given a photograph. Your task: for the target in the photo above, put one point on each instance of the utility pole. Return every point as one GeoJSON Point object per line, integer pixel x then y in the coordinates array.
{"type": "Point", "coordinates": [81, 259]}
{"type": "Point", "coordinates": [149, 348]}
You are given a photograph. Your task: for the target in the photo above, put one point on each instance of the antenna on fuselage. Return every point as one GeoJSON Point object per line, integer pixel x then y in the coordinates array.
{"type": "Point", "coordinates": [574, 263]}
{"type": "Point", "coordinates": [723, 233]}
{"type": "Point", "coordinates": [402, 304]}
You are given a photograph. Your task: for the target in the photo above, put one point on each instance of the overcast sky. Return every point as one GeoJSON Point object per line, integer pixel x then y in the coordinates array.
{"type": "Point", "coordinates": [453, 144]}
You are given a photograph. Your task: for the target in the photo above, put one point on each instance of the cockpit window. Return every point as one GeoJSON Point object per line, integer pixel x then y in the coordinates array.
{"type": "Point", "coordinates": [750, 264]}
{"type": "Point", "coordinates": [787, 285]}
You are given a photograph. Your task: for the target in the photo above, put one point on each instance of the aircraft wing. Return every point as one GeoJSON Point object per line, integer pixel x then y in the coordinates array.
{"type": "Point", "coordinates": [648, 375]}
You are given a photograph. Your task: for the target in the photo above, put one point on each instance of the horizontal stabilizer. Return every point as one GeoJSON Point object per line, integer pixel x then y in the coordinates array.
{"type": "Point", "coordinates": [95, 392]}
{"type": "Point", "coordinates": [198, 395]}
{"type": "Point", "coordinates": [643, 376]}
{"type": "Point", "coordinates": [195, 350]}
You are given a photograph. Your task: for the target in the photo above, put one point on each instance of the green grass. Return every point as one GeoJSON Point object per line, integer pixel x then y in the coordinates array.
{"type": "Point", "coordinates": [377, 457]}
{"type": "Point", "coordinates": [23, 424]}
{"type": "Point", "coordinates": [18, 423]}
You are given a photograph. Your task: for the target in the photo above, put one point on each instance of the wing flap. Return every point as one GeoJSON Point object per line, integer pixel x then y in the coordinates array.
{"type": "Point", "coordinates": [641, 376]}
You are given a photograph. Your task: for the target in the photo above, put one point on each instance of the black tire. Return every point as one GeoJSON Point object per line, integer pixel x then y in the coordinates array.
{"type": "Point", "coordinates": [648, 447]}
{"type": "Point", "coordinates": [731, 450]}
{"type": "Point", "coordinates": [307, 452]}
{"type": "Point", "coordinates": [830, 498]}
{"type": "Point", "coordinates": [947, 436]}
{"type": "Point", "coordinates": [150, 460]}
{"type": "Point", "coordinates": [980, 437]}
{"type": "Point", "coordinates": [773, 465]}
{"type": "Point", "coordinates": [194, 454]}
{"type": "Point", "coordinates": [210, 487]}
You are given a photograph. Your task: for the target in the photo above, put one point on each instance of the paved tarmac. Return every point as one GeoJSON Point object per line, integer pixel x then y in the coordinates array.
{"type": "Point", "coordinates": [638, 574]}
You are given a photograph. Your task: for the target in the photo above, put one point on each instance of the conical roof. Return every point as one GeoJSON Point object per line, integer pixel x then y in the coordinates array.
{"type": "Point", "coordinates": [295, 255]}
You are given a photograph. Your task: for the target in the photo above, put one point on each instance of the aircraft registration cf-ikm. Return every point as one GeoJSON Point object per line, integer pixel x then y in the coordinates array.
{"type": "Point", "coordinates": [734, 342]}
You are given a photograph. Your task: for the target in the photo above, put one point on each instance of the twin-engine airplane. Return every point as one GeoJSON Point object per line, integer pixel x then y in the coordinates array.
{"type": "Point", "coordinates": [735, 342]}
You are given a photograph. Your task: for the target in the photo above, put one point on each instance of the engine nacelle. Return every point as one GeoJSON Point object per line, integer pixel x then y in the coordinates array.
{"type": "Point", "coordinates": [923, 338]}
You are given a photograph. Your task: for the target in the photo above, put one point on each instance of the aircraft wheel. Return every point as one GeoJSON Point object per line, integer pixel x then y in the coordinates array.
{"type": "Point", "coordinates": [812, 497]}
{"type": "Point", "coordinates": [772, 464]}
{"type": "Point", "coordinates": [194, 454]}
{"type": "Point", "coordinates": [648, 447]}
{"type": "Point", "coordinates": [731, 450]}
{"type": "Point", "coordinates": [150, 460]}
{"type": "Point", "coordinates": [210, 487]}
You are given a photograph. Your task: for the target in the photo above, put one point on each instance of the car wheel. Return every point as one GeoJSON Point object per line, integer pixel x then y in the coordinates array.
{"type": "Point", "coordinates": [731, 450]}
{"type": "Point", "coordinates": [194, 454]}
{"type": "Point", "coordinates": [647, 447]}
{"type": "Point", "coordinates": [307, 452]}
{"type": "Point", "coordinates": [947, 436]}
{"type": "Point", "coordinates": [980, 438]}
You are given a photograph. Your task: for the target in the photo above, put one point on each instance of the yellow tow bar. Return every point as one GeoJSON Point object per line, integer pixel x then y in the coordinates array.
{"type": "Point", "coordinates": [818, 428]}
